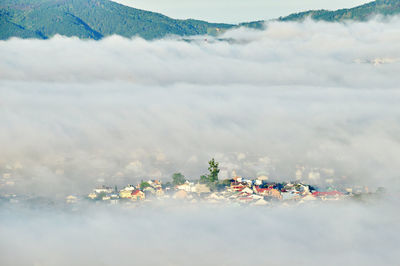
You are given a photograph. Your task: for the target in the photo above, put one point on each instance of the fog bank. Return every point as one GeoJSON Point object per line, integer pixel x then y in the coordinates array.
{"type": "Point", "coordinates": [317, 99]}
{"type": "Point", "coordinates": [328, 234]}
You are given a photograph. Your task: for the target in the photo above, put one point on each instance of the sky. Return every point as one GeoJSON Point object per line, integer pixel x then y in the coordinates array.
{"type": "Point", "coordinates": [315, 101]}
{"type": "Point", "coordinates": [236, 11]}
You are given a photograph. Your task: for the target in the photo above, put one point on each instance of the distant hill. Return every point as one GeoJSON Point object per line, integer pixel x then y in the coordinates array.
{"type": "Point", "coordinates": [359, 13]}
{"type": "Point", "coordinates": [92, 19]}
{"type": "Point", "coordinates": [95, 19]}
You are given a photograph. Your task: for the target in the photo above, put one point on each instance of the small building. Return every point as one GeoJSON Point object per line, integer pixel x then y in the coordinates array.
{"type": "Point", "coordinates": [274, 193]}
{"type": "Point", "coordinates": [125, 194]}
{"type": "Point", "coordinates": [185, 186]}
{"type": "Point", "coordinates": [137, 195]}
{"type": "Point", "coordinates": [247, 190]}
{"type": "Point", "coordinates": [92, 196]}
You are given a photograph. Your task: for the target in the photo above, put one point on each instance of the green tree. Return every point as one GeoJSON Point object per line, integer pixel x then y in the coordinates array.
{"type": "Point", "coordinates": [166, 185]}
{"type": "Point", "coordinates": [214, 170]}
{"type": "Point", "coordinates": [222, 184]}
{"type": "Point", "coordinates": [178, 179]}
{"type": "Point", "coordinates": [144, 185]}
{"type": "Point", "coordinates": [211, 180]}
{"type": "Point", "coordinates": [101, 195]}
{"type": "Point", "coordinates": [203, 179]}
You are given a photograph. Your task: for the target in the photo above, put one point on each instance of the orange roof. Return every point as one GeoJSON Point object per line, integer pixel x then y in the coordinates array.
{"type": "Point", "coordinates": [135, 192]}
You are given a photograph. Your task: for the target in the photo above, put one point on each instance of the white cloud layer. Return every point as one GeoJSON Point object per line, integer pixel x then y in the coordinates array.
{"type": "Point", "coordinates": [318, 95]}
{"type": "Point", "coordinates": [329, 234]}
{"type": "Point", "coordinates": [311, 101]}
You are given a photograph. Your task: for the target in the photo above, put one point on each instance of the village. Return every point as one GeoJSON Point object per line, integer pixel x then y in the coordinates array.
{"type": "Point", "coordinates": [237, 190]}
{"type": "Point", "coordinates": [208, 189]}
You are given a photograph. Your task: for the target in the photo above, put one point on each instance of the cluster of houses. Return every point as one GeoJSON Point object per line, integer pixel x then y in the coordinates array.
{"type": "Point", "coordinates": [236, 190]}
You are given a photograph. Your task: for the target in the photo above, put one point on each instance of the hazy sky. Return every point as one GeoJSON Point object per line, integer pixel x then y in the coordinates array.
{"type": "Point", "coordinates": [234, 11]}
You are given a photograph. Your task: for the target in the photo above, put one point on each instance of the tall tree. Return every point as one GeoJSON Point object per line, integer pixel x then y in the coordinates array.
{"type": "Point", "coordinates": [214, 170]}
{"type": "Point", "coordinates": [178, 179]}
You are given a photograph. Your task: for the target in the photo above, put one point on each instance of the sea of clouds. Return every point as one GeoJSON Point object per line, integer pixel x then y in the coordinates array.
{"type": "Point", "coordinates": [317, 98]}
{"type": "Point", "coordinates": [327, 234]}
{"type": "Point", "coordinates": [315, 101]}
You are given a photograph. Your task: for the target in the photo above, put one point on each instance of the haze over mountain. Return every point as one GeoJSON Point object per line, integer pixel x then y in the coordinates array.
{"type": "Point", "coordinates": [95, 19]}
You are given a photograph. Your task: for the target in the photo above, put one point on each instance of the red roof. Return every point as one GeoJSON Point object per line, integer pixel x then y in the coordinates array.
{"type": "Point", "coordinates": [327, 193]}
{"type": "Point", "coordinates": [261, 190]}
{"type": "Point", "coordinates": [237, 186]}
{"type": "Point", "coordinates": [135, 192]}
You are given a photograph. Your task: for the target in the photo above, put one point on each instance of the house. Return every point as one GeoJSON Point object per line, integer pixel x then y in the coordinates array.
{"type": "Point", "coordinates": [92, 196]}
{"type": "Point", "coordinates": [274, 193]}
{"type": "Point", "coordinates": [237, 186]}
{"type": "Point", "coordinates": [129, 188]}
{"type": "Point", "coordinates": [247, 190]}
{"type": "Point", "coordinates": [262, 191]}
{"type": "Point", "coordinates": [137, 195]}
{"type": "Point", "coordinates": [125, 194]}
{"type": "Point", "coordinates": [103, 190]}
{"type": "Point", "coordinates": [247, 182]}
{"type": "Point", "coordinates": [326, 194]}
{"type": "Point", "coordinates": [185, 186]}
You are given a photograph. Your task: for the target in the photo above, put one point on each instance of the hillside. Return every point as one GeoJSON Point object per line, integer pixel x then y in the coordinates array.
{"type": "Point", "coordinates": [91, 19]}
{"type": "Point", "coordinates": [95, 19]}
{"type": "Point", "coordinates": [359, 13]}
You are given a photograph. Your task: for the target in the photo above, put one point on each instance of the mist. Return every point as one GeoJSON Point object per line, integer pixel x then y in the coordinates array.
{"type": "Point", "coordinates": [311, 101]}
{"type": "Point", "coordinates": [169, 234]}
{"type": "Point", "coordinates": [312, 97]}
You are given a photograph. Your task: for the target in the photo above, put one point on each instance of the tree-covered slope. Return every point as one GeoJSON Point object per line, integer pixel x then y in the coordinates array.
{"type": "Point", "coordinates": [98, 18]}
{"type": "Point", "coordinates": [359, 13]}
{"type": "Point", "coordinates": [91, 19]}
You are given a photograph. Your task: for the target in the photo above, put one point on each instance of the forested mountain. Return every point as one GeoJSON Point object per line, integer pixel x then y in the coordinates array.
{"type": "Point", "coordinates": [91, 19]}
{"type": "Point", "coordinates": [359, 13]}
{"type": "Point", "coordinates": [98, 18]}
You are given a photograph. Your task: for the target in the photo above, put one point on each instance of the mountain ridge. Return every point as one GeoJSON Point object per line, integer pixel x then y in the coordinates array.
{"type": "Point", "coordinates": [95, 19]}
{"type": "Point", "coordinates": [358, 13]}
{"type": "Point", "coordinates": [92, 19]}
